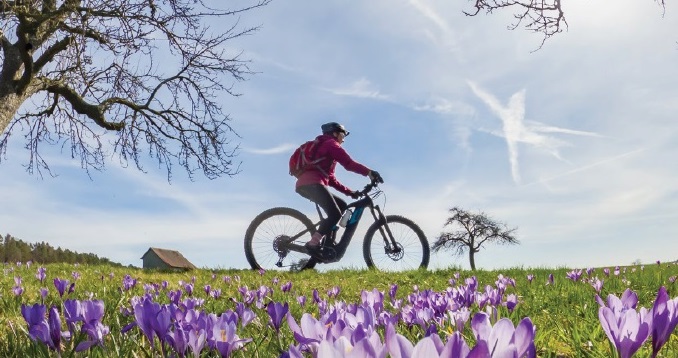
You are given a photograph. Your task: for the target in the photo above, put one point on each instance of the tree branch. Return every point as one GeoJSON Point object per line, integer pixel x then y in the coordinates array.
{"type": "Point", "coordinates": [94, 112]}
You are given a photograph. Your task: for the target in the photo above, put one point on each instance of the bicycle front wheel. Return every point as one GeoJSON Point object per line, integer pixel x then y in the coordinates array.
{"type": "Point", "coordinates": [411, 251]}
{"type": "Point", "coordinates": [269, 234]}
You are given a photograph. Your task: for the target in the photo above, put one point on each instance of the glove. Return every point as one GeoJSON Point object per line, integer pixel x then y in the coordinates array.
{"type": "Point", "coordinates": [355, 195]}
{"type": "Point", "coordinates": [375, 177]}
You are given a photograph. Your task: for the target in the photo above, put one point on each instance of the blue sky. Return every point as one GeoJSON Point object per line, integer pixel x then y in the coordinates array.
{"type": "Point", "coordinates": [573, 144]}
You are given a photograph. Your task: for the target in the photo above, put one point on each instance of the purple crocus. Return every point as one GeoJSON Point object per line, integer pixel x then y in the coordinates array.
{"type": "Point", "coordinates": [73, 314]}
{"type": "Point", "coordinates": [92, 315]}
{"type": "Point", "coordinates": [226, 340]}
{"type": "Point", "coordinates": [215, 293]}
{"type": "Point", "coordinates": [664, 319]}
{"type": "Point", "coordinates": [18, 290]}
{"type": "Point", "coordinates": [597, 284]}
{"type": "Point", "coordinates": [62, 286]}
{"type": "Point", "coordinates": [128, 282]}
{"type": "Point", "coordinates": [41, 274]}
{"type": "Point", "coordinates": [301, 300]}
{"type": "Point", "coordinates": [188, 288]}
{"type": "Point", "coordinates": [277, 312]}
{"type": "Point", "coordinates": [196, 341]}
{"type": "Point", "coordinates": [574, 275]}
{"type": "Point", "coordinates": [502, 339]}
{"type": "Point", "coordinates": [152, 319]}
{"type": "Point", "coordinates": [626, 328]}
{"type": "Point", "coordinates": [38, 329]}
{"type": "Point", "coordinates": [42, 329]}
{"type": "Point", "coordinates": [511, 302]}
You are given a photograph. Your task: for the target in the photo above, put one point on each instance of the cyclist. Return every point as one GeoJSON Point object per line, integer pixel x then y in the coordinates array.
{"type": "Point", "coordinates": [314, 182]}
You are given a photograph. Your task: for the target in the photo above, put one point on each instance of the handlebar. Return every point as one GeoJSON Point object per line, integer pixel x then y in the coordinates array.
{"type": "Point", "coordinates": [368, 188]}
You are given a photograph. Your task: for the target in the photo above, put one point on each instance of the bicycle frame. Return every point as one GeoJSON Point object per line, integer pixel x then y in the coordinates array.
{"type": "Point", "coordinates": [338, 249]}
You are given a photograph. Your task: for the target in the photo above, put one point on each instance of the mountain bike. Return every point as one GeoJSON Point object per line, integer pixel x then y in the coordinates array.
{"type": "Point", "coordinates": [275, 238]}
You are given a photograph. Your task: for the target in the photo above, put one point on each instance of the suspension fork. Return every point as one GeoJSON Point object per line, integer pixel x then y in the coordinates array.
{"type": "Point", "coordinates": [384, 230]}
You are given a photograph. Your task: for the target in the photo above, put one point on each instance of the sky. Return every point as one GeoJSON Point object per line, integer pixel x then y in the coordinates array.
{"type": "Point", "coordinates": [573, 144]}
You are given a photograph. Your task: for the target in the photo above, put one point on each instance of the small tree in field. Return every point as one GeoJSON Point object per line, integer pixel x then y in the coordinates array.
{"type": "Point", "coordinates": [472, 232]}
{"type": "Point", "coordinates": [125, 77]}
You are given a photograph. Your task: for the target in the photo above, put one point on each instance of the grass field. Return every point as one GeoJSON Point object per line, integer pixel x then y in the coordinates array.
{"type": "Point", "coordinates": [101, 311]}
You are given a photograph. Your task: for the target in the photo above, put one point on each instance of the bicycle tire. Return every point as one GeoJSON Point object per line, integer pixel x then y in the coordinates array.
{"type": "Point", "coordinates": [416, 251]}
{"type": "Point", "coordinates": [261, 235]}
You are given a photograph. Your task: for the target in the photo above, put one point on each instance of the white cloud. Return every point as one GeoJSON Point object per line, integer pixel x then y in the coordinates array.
{"type": "Point", "coordinates": [361, 88]}
{"type": "Point", "coordinates": [283, 148]}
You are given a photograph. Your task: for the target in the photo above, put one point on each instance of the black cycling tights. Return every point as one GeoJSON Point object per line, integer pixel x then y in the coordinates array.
{"type": "Point", "coordinates": [332, 205]}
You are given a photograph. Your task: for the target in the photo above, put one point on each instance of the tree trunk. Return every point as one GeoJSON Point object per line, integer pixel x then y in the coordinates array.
{"type": "Point", "coordinates": [472, 259]}
{"type": "Point", "coordinates": [9, 105]}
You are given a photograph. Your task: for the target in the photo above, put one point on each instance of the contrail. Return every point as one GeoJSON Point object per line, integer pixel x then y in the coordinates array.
{"type": "Point", "coordinates": [586, 167]}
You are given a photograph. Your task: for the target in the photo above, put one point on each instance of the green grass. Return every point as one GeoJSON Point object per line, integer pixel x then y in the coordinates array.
{"type": "Point", "coordinates": [565, 313]}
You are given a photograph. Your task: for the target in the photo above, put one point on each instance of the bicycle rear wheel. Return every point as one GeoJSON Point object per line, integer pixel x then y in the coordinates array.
{"type": "Point", "coordinates": [411, 251]}
{"type": "Point", "coordinates": [268, 234]}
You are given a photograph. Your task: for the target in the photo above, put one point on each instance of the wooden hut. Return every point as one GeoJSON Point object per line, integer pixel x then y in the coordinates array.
{"type": "Point", "coordinates": [163, 259]}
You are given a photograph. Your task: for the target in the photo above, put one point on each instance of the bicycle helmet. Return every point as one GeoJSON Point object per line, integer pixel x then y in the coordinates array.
{"type": "Point", "coordinates": [332, 127]}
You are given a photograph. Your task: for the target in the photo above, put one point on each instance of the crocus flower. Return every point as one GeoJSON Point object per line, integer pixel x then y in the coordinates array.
{"type": "Point", "coordinates": [396, 344]}
{"type": "Point", "coordinates": [128, 282]}
{"type": "Point", "coordinates": [664, 319]}
{"type": "Point", "coordinates": [530, 277]}
{"type": "Point", "coordinates": [62, 286]}
{"type": "Point", "coordinates": [225, 338]}
{"type": "Point", "coordinates": [334, 291]}
{"type": "Point", "coordinates": [344, 348]}
{"type": "Point", "coordinates": [42, 329]}
{"type": "Point", "coordinates": [626, 328]}
{"type": "Point", "coordinates": [41, 274]}
{"type": "Point", "coordinates": [73, 314]}
{"type": "Point", "coordinates": [92, 314]}
{"type": "Point", "coordinates": [511, 302]}
{"type": "Point", "coordinates": [215, 293]}
{"type": "Point", "coordinates": [286, 287]}
{"type": "Point", "coordinates": [392, 291]}
{"type": "Point", "coordinates": [17, 290]}
{"type": "Point", "coordinates": [38, 329]}
{"type": "Point", "coordinates": [188, 288]}
{"type": "Point", "coordinates": [502, 339]}
{"type": "Point", "coordinates": [597, 284]}
{"type": "Point", "coordinates": [152, 319]}
{"type": "Point", "coordinates": [574, 275]}
{"type": "Point", "coordinates": [277, 312]}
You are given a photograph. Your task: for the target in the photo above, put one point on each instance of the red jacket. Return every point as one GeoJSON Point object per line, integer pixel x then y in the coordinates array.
{"type": "Point", "coordinates": [331, 150]}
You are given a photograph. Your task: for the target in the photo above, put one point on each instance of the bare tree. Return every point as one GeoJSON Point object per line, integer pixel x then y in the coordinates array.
{"type": "Point", "coordinates": [473, 231]}
{"type": "Point", "coordinates": [542, 16]}
{"type": "Point", "coordinates": [124, 77]}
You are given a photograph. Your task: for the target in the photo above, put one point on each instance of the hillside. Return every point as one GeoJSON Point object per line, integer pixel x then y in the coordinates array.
{"type": "Point", "coordinates": [14, 250]}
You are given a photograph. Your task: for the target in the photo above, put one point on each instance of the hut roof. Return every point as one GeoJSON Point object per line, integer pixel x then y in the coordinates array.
{"type": "Point", "coordinates": [171, 257]}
